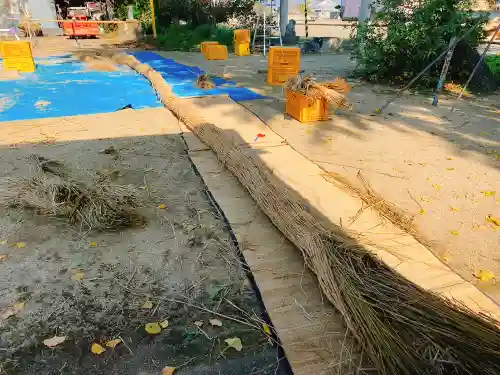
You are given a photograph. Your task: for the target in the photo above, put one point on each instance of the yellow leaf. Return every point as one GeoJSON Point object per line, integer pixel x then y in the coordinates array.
{"type": "Point", "coordinates": [198, 323]}
{"type": "Point", "coordinates": [266, 328]}
{"type": "Point", "coordinates": [493, 220]}
{"type": "Point", "coordinates": [13, 310]}
{"type": "Point", "coordinates": [215, 322]}
{"type": "Point", "coordinates": [235, 343]}
{"type": "Point", "coordinates": [484, 133]}
{"type": "Point", "coordinates": [20, 245]}
{"type": "Point", "coordinates": [484, 275]}
{"type": "Point", "coordinates": [450, 158]}
{"type": "Point", "coordinates": [436, 186]}
{"type": "Point", "coordinates": [445, 258]}
{"type": "Point", "coordinates": [489, 193]}
{"type": "Point", "coordinates": [454, 232]}
{"type": "Point", "coordinates": [78, 276]}
{"type": "Point", "coordinates": [152, 328]}
{"type": "Point", "coordinates": [112, 343]}
{"type": "Point", "coordinates": [162, 206]}
{"type": "Point", "coordinates": [422, 164]}
{"type": "Point", "coordinates": [3, 257]}
{"type": "Point", "coordinates": [425, 199]}
{"type": "Point", "coordinates": [454, 209]}
{"type": "Point", "coordinates": [450, 169]}
{"type": "Point", "coordinates": [18, 306]}
{"type": "Point", "coordinates": [93, 244]}
{"type": "Point", "coordinates": [428, 179]}
{"type": "Point", "coordinates": [421, 212]}
{"type": "Point", "coordinates": [164, 324]}
{"type": "Point", "coordinates": [97, 349]}
{"type": "Point", "coordinates": [168, 370]}
{"type": "Point", "coordinates": [147, 305]}
{"type": "Point", "coordinates": [3, 242]}
{"type": "Point", "coordinates": [54, 341]}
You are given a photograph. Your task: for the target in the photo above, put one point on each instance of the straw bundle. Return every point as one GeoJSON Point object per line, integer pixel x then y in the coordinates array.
{"type": "Point", "coordinates": [309, 87]}
{"type": "Point", "coordinates": [204, 82]}
{"type": "Point", "coordinates": [404, 329]}
{"type": "Point", "coordinates": [94, 207]}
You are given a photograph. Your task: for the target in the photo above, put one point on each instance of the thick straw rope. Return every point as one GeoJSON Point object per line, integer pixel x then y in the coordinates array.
{"type": "Point", "coordinates": [404, 329]}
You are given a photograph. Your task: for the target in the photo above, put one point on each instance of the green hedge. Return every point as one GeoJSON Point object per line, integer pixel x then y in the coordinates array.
{"type": "Point", "coordinates": [188, 38]}
{"type": "Point", "coordinates": [493, 63]}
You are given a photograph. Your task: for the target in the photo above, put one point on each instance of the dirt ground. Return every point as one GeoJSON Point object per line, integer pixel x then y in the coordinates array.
{"type": "Point", "coordinates": [439, 165]}
{"type": "Point", "coordinates": [94, 286]}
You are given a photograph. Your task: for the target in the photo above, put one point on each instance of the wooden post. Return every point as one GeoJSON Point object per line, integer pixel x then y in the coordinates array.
{"type": "Point", "coordinates": [446, 65]}
{"type": "Point", "coordinates": [153, 18]}
{"type": "Point", "coordinates": [305, 19]}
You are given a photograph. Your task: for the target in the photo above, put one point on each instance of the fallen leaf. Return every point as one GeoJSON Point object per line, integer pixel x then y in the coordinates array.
{"type": "Point", "coordinates": [489, 193]}
{"type": "Point", "coordinates": [437, 187]}
{"type": "Point", "coordinates": [454, 209]}
{"type": "Point", "coordinates": [450, 169]}
{"type": "Point", "coordinates": [422, 164]}
{"type": "Point", "coordinates": [484, 275]}
{"type": "Point", "coordinates": [13, 310]}
{"type": "Point", "coordinates": [493, 220]}
{"type": "Point", "coordinates": [147, 305]}
{"type": "Point", "coordinates": [266, 329]}
{"type": "Point", "coordinates": [198, 323]}
{"type": "Point", "coordinates": [3, 257]}
{"type": "Point", "coordinates": [235, 343]}
{"type": "Point", "coordinates": [97, 349]}
{"type": "Point", "coordinates": [93, 244]}
{"type": "Point", "coordinates": [445, 258]}
{"type": "Point", "coordinates": [54, 341]}
{"type": "Point", "coordinates": [421, 212]}
{"type": "Point", "coordinates": [78, 276]}
{"type": "Point", "coordinates": [20, 245]}
{"type": "Point", "coordinates": [425, 199]}
{"type": "Point", "coordinates": [168, 370]}
{"type": "Point", "coordinates": [162, 206]}
{"type": "Point", "coordinates": [112, 343]}
{"type": "Point", "coordinates": [148, 169]}
{"type": "Point", "coordinates": [152, 328]}
{"type": "Point", "coordinates": [215, 322]}
{"type": "Point", "coordinates": [3, 242]}
{"type": "Point", "coordinates": [450, 158]}
{"type": "Point", "coordinates": [428, 179]}
{"type": "Point", "coordinates": [454, 232]}
{"type": "Point", "coordinates": [484, 133]}
{"type": "Point", "coordinates": [164, 324]}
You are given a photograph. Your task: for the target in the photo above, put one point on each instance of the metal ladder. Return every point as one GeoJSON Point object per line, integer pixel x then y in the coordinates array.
{"type": "Point", "coordinates": [262, 42]}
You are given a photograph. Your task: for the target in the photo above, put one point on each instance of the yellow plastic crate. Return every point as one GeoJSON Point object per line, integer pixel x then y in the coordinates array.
{"type": "Point", "coordinates": [305, 109]}
{"type": "Point", "coordinates": [241, 36]}
{"type": "Point", "coordinates": [17, 55]}
{"type": "Point", "coordinates": [242, 49]}
{"type": "Point", "coordinates": [278, 75]}
{"type": "Point", "coordinates": [203, 46]}
{"type": "Point", "coordinates": [284, 56]}
{"type": "Point", "coordinates": [216, 52]}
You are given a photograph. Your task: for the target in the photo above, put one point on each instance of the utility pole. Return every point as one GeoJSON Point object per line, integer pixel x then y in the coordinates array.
{"type": "Point", "coordinates": [364, 10]}
{"type": "Point", "coordinates": [283, 16]}
{"type": "Point", "coordinates": [153, 18]}
{"type": "Point", "coordinates": [305, 19]}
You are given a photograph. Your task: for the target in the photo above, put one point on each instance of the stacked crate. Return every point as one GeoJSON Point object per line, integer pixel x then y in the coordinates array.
{"type": "Point", "coordinates": [215, 52]}
{"type": "Point", "coordinates": [242, 42]}
{"type": "Point", "coordinates": [204, 45]}
{"type": "Point", "coordinates": [282, 63]}
{"type": "Point", "coordinates": [17, 55]}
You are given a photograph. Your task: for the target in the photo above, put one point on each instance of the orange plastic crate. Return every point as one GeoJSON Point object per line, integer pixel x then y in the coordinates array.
{"type": "Point", "coordinates": [203, 46]}
{"type": "Point", "coordinates": [242, 49]}
{"type": "Point", "coordinates": [284, 56]}
{"type": "Point", "coordinates": [305, 109]}
{"type": "Point", "coordinates": [215, 52]}
{"type": "Point", "coordinates": [17, 55]}
{"type": "Point", "coordinates": [278, 75]}
{"type": "Point", "coordinates": [241, 36]}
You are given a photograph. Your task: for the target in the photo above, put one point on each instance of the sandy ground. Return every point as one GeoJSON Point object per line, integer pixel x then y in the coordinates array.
{"type": "Point", "coordinates": [91, 286]}
{"type": "Point", "coordinates": [438, 165]}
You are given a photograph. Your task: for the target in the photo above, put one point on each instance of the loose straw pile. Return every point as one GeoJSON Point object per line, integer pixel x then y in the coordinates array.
{"type": "Point", "coordinates": [404, 329]}
{"type": "Point", "coordinates": [332, 92]}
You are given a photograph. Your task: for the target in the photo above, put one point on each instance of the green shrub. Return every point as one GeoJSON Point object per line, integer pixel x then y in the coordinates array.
{"type": "Point", "coordinates": [203, 32]}
{"type": "Point", "coordinates": [408, 35]}
{"type": "Point", "coordinates": [493, 63]}
{"type": "Point", "coordinates": [224, 35]}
